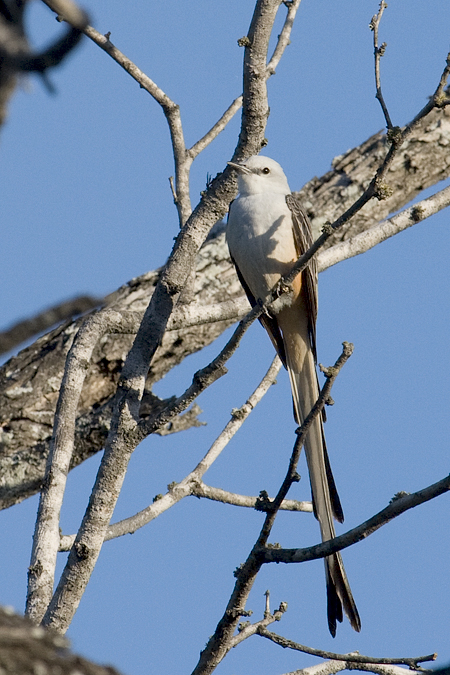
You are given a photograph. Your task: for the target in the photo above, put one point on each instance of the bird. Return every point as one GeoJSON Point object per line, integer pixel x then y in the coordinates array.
{"type": "Point", "coordinates": [267, 231]}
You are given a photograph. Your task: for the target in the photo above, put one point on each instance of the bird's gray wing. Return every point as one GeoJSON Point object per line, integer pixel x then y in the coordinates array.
{"type": "Point", "coordinates": [303, 241]}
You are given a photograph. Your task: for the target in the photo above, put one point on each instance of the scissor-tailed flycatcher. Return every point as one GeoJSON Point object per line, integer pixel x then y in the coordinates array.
{"type": "Point", "coordinates": [267, 232]}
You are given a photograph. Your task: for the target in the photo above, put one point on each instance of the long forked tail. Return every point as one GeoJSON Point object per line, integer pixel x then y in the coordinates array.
{"type": "Point", "coordinates": [326, 503]}
{"type": "Point", "coordinates": [325, 498]}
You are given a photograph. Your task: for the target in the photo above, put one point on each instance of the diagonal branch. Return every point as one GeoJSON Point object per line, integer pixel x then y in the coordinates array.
{"type": "Point", "coordinates": [221, 641]}
{"type": "Point", "coordinates": [284, 36]}
{"type": "Point", "coordinates": [192, 484]}
{"type": "Point", "coordinates": [219, 126]}
{"type": "Point", "coordinates": [376, 188]}
{"type": "Point", "coordinates": [398, 505]}
{"type": "Point", "coordinates": [363, 242]}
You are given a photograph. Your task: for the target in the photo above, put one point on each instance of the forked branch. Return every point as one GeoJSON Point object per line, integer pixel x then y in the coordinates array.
{"type": "Point", "coordinates": [222, 640]}
{"type": "Point", "coordinates": [378, 53]}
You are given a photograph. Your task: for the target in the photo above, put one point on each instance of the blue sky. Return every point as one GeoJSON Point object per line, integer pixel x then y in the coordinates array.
{"type": "Point", "coordinates": [86, 206]}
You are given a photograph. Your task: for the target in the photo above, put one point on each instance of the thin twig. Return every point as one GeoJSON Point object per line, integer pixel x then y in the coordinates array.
{"type": "Point", "coordinates": [376, 188]}
{"type": "Point", "coordinates": [366, 240]}
{"type": "Point", "coordinates": [246, 630]}
{"type": "Point", "coordinates": [284, 37]}
{"type": "Point", "coordinates": [261, 503]}
{"type": "Point", "coordinates": [170, 108]}
{"type": "Point", "coordinates": [291, 475]}
{"type": "Point", "coordinates": [282, 42]}
{"type": "Point", "coordinates": [192, 484]}
{"type": "Point", "coordinates": [412, 662]}
{"type": "Point", "coordinates": [221, 641]}
{"type": "Point", "coordinates": [378, 53]}
{"type": "Point", "coordinates": [219, 126]}
{"type": "Point", "coordinates": [398, 505]}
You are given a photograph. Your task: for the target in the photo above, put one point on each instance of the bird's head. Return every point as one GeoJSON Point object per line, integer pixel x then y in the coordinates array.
{"type": "Point", "coordinates": [258, 175]}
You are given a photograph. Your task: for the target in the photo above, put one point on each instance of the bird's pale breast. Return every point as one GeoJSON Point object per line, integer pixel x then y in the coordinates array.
{"type": "Point", "coordinates": [260, 240]}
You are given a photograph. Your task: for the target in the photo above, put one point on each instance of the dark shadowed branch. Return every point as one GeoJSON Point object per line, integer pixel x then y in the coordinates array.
{"type": "Point", "coordinates": [411, 662]}
{"type": "Point", "coordinates": [399, 504]}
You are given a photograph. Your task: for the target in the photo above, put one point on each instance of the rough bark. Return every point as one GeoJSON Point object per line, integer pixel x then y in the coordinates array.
{"type": "Point", "coordinates": [29, 382]}
{"type": "Point", "coordinates": [28, 650]}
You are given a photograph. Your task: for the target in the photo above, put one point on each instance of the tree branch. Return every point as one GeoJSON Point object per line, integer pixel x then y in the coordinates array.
{"type": "Point", "coordinates": [262, 503]}
{"type": "Point", "coordinates": [220, 642]}
{"type": "Point", "coordinates": [248, 629]}
{"type": "Point", "coordinates": [284, 37]}
{"type": "Point", "coordinates": [192, 484]}
{"type": "Point", "coordinates": [378, 53]}
{"type": "Point", "coordinates": [219, 126]}
{"type": "Point", "coordinates": [170, 108]}
{"type": "Point", "coordinates": [29, 383]}
{"type": "Point", "coordinates": [46, 535]}
{"type": "Point", "coordinates": [411, 662]}
{"type": "Point", "coordinates": [363, 242]}
{"type": "Point", "coordinates": [398, 505]}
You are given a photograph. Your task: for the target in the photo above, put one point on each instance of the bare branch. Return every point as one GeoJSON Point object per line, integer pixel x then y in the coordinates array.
{"type": "Point", "coordinates": [376, 188]}
{"type": "Point", "coordinates": [196, 314]}
{"type": "Point", "coordinates": [171, 111]}
{"type": "Point", "coordinates": [378, 53]}
{"type": "Point", "coordinates": [220, 642]}
{"type": "Point", "coordinates": [438, 99]}
{"type": "Point", "coordinates": [46, 535]}
{"type": "Point", "coordinates": [282, 43]}
{"type": "Point", "coordinates": [219, 126]}
{"type": "Point", "coordinates": [261, 503]}
{"type": "Point", "coordinates": [380, 669]}
{"type": "Point", "coordinates": [326, 668]}
{"type": "Point", "coordinates": [332, 667]}
{"type": "Point", "coordinates": [411, 662]}
{"type": "Point", "coordinates": [363, 242]}
{"type": "Point", "coordinates": [246, 630]}
{"type": "Point", "coordinates": [192, 484]}
{"type": "Point", "coordinates": [284, 37]}
{"type": "Point", "coordinates": [399, 504]}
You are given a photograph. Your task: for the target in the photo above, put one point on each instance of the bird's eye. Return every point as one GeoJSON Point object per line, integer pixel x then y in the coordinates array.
{"type": "Point", "coordinates": [266, 170]}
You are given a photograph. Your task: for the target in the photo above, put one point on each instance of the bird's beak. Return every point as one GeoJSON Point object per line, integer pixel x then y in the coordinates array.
{"type": "Point", "coordinates": [239, 167]}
